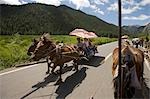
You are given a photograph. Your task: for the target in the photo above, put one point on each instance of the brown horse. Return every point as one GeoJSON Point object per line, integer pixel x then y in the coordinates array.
{"type": "Point", "coordinates": [132, 70]}
{"type": "Point", "coordinates": [32, 47]}
{"type": "Point", "coordinates": [57, 55]}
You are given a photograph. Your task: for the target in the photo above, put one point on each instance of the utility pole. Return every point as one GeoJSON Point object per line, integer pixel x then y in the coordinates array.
{"type": "Point", "coordinates": [119, 44]}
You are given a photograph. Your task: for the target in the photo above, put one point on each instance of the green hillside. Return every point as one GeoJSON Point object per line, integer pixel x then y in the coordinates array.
{"type": "Point", "coordinates": [39, 18]}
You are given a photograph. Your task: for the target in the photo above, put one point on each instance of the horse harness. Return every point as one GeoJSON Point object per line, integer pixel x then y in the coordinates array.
{"type": "Point", "coordinates": [59, 53]}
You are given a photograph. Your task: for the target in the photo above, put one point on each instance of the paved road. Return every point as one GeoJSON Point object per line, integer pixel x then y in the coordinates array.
{"type": "Point", "coordinates": [93, 80]}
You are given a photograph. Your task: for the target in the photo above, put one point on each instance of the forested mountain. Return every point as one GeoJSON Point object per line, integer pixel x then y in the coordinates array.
{"type": "Point", "coordinates": [37, 18]}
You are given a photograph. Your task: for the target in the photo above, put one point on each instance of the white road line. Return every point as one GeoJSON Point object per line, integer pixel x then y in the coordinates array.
{"type": "Point", "coordinates": [147, 63]}
{"type": "Point", "coordinates": [22, 68]}
{"type": "Point", "coordinates": [108, 56]}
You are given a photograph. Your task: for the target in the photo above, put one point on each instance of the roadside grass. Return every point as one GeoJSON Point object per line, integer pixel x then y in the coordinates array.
{"type": "Point", "coordinates": [103, 40]}
{"type": "Point", "coordinates": [13, 48]}
{"type": "Point", "coordinates": [72, 39]}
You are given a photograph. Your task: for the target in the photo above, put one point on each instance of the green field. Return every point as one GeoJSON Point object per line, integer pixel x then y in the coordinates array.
{"type": "Point", "coordinates": [13, 48]}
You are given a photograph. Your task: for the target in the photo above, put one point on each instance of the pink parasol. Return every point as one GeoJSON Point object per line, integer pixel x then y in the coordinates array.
{"type": "Point", "coordinates": [83, 33]}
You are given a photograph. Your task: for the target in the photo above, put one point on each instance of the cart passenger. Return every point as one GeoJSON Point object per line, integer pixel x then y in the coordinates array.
{"type": "Point", "coordinates": [92, 46]}
{"type": "Point", "coordinates": [80, 45]}
{"type": "Point", "coordinates": [86, 46]}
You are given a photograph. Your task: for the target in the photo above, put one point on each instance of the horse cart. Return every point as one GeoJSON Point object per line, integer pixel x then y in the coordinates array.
{"type": "Point", "coordinates": [89, 53]}
{"type": "Point", "coordinates": [55, 54]}
{"type": "Point", "coordinates": [84, 42]}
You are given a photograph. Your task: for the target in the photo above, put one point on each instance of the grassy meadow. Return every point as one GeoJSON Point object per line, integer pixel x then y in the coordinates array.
{"type": "Point", "coordinates": [13, 48]}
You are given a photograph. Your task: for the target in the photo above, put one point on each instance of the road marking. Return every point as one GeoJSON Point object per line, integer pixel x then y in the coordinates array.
{"type": "Point", "coordinates": [147, 63]}
{"type": "Point", "coordinates": [108, 56]}
{"type": "Point", "coordinates": [22, 68]}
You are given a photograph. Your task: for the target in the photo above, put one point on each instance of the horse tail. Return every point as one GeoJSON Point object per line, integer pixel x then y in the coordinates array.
{"type": "Point", "coordinates": [116, 87]}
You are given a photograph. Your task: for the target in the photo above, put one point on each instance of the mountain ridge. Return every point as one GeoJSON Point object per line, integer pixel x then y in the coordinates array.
{"type": "Point", "coordinates": [137, 29]}
{"type": "Point", "coordinates": [35, 18]}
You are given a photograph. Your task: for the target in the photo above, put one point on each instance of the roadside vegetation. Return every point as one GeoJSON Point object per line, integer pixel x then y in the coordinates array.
{"type": "Point", "coordinates": [13, 48]}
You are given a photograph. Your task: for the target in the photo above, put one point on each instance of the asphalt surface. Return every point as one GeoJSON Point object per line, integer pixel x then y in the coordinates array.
{"type": "Point", "coordinates": [93, 80]}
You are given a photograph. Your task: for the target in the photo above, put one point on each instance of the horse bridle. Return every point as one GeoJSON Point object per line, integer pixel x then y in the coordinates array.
{"type": "Point", "coordinates": [49, 50]}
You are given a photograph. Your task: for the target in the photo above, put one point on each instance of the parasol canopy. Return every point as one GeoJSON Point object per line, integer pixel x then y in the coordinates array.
{"type": "Point", "coordinates": [83, 33]}
{"type": "Point", "coordinates": [125, 37]}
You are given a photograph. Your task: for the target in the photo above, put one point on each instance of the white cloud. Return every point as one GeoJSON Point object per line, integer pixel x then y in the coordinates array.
{"type": "Point", "coordinates": [86, 4]}
{"type": "Point", "coordinates": [19, 2]}
{"type": "Point", "coordinates": [99, 11]}
{"type": "Point", "coordinates": [128, 10]}
{"type": "Point", "coordinates": [129, 6]}
{"type": "Point", "coordinates": [134, 2]}
{"type": "Point", "coordinates": [23, 2]}
{"type": "Point", "coordinates": [113, 7]}
{"type": "Point", "coordinates": [80, 3]}
{"type": "Point", "coordinates": [141, 17]}
{"type": "Point", "coordinates": [98, 2]}
{"type": "Point", "coordinates": [128, 2]}
{"type": "Point", "coordinates": [105, 1]}
{"type": "Point", "coordinates": [93, 6]}
{"type": "Point", "coordinates": [144, 2]}
{"type": "Point", "coordinates": [11, 2]}
{"type": "Point", "coordinates": [102, 2]}
{"type": "Point", "coordinates": [50, 2]}
{"type": "Point", "coordinates": [96, 9]}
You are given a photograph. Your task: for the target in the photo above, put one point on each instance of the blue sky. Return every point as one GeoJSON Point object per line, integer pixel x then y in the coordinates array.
{"type": "Point", "coordinates": [134, 12]}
